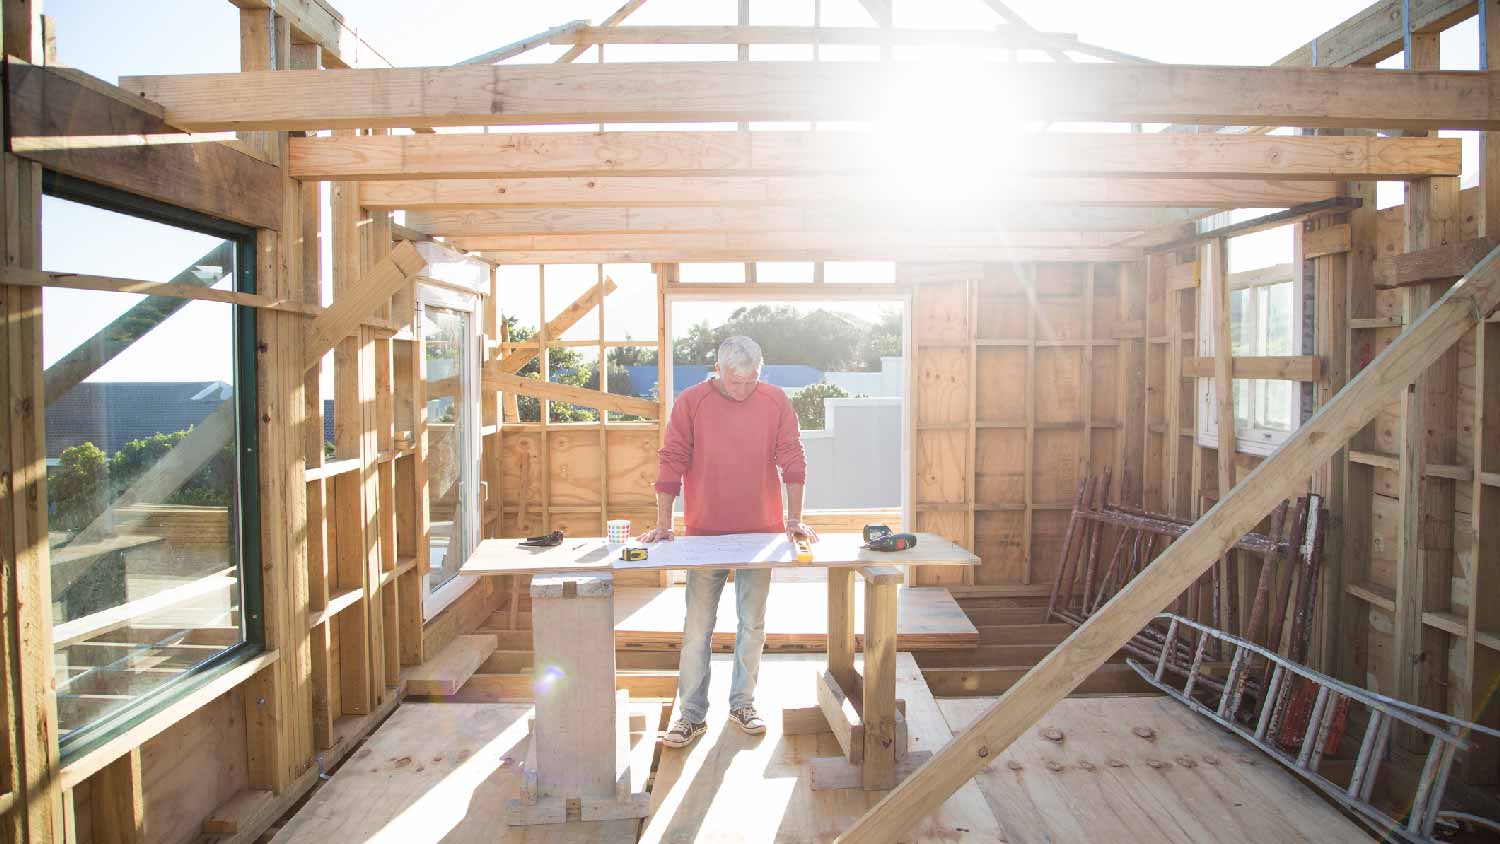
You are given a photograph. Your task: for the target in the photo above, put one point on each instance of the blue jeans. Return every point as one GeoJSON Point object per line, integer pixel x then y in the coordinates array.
{"type": "Point", "coordinates": [703, 589]}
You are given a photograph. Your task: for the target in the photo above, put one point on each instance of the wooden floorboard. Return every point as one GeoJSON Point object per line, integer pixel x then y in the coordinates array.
{"type": "Point", "coordinates": [444, 772]}
{"type": "Point", "coordinates": [1189, 782]}
{"type": "Point", "coordinates": [730, 787]}
{"type": "Point", "coordinates": [796, 618]}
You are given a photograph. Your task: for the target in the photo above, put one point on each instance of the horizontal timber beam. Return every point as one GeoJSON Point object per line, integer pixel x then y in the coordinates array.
{"type": "Point", "coordinates": [668, 92]}
{"type": "Point", "coordinates": [825, 217]}
{"type": "Point", "coordinates": [1282, 474]}
{"type": "Point", "coordinates": [646, 191]}
{"type": "Point", "coordinates": [74, 124]}
{"type": "Point", "coordinates": [884, 238]}
{"type": "Point", "coordinates": [495, 380]}
{"type": "Point", "coordinates": [1004, 38]}
{"type": "Point", "coordinates": [1377, 32]}
{"type": "Point", "coordinates": [1440, 263]}
{"type": "Point", "coordinates": [1292, 368]}
{"type": "Point", "coordinates": [518, 154]}
{"type": "Point", "coordinates": [872, 252]}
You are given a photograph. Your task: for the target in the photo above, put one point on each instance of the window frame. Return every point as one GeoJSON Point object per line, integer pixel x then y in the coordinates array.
{"type": "Point", "coordinates": [1253, 439]}
{"type": "Point", "coordinates": [91, 736]}
{"type": "Point", "coordinates": [434, 601]}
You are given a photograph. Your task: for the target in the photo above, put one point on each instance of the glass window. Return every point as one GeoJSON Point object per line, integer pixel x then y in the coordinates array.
{"type": "Point", "coordinates": [1265, 319]}
{"type": "Point", "coordinates": [447, 341]}
{"type": "Point", "coordinates": [150, 404]}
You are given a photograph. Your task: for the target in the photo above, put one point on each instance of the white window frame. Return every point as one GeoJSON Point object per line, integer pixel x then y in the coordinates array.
{"type": "Point", "coordinates": [1255, 439]}
{"type": "Point", "coordinates": [444, 296]}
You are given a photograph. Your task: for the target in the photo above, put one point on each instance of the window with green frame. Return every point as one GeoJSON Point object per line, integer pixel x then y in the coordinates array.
{"type": "Point", "coordinates": [151, 458]}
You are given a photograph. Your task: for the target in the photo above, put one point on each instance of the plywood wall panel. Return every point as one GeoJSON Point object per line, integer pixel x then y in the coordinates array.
{"type": "Point", "coordinates": [941, 467]}
{"type": "Point", "coordinates": [573, 467]}
{"type": "Point", "coordinates": [999, 465]}
{"type": "Point", "coordinates": [999, 540]}
{"type": "Point", "coordinates": [632, 468]}
{"type": "Point", "coordinates": [942, 386]}
{"type": "Point", "coordinates": [1060, 379]}
{"type": "Point", "coordinates": [1047, 530]}
{"type": "Point", "coordinates": [1058, 461]}
{"type": "Point", "coordinates": [1000, 390]}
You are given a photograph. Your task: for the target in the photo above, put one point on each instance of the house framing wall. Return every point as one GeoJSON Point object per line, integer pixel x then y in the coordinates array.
{"type": "Point", "coordinates": [1035, 357]}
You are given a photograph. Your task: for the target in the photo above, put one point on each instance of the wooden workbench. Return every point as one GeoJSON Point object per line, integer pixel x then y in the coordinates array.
{"type": "Point", "coordinates": [861, 710]}
{"type": "Point", "coordinates": [735, 551]}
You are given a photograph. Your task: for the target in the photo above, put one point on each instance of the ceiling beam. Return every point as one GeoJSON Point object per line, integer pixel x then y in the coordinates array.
{"type": "Point", "coordinates": [942, 192]}
{"type": "Point", "coordinates": [513, 154]}
{"type": "Point", "coordinates": [873, 241]}
{"type": "Point", "coordinates": [615, 19]}
{"type": "Point", "coordinates": [730, 191]}
{"type": "Point", "coordinates": [828, 218]}
{"type": "Point", "coordinates": [874, 252]}
{"type": "Point", "coordinates": [505, 95]}
{"type": "Point", "coordinates": [1007, 38]}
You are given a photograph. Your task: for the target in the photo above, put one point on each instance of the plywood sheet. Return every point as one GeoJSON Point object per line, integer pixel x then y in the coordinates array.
{"type": "Point", "coordinates": [1000, 466]}
{"type": "Point", "coordinates": [927, 618]}
{"type": "Point", "coordinates": [437, 772]}
{"type": "Point", "coordinates": [574, 467]}
{"type": "Point", "coordinates": [1059, 385]}
{"type": "Point", "coordinates": [739, 550]}
{"type": "Point", "coordinates": [1000, 392]}
{"type": "Point", "coordinates": [730, 787]}
{"type": "Point", "coordinates": [942, 387]}
{"type": "Point", "coordinates": [1189, 782]}
{"type": "Point", "coordinates": [632, 469]}
{"type": "Point", "coordinates": [942, 476]}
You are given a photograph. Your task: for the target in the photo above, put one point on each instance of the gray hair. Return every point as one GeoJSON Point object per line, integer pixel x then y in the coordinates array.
{"type": "Point", "coordinates": [739, 354]}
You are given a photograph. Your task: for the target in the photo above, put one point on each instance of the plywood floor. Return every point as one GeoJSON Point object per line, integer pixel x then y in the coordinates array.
{"type": "Point", "coordinates": [444, 772]}
{"type": "Point", "coordinates": [1189, 782]}
{"type": "Point", "coordinates": [729, 788]}
{"type": "Point", "coordinates": [927, 618]}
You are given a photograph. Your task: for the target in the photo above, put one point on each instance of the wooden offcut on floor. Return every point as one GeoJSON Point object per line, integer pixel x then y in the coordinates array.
{"type": "Point", "coordinates": [1143, 769]}
{"type": "Point", "coordinates": [445, 772]}
{"type": "Point", "coordinates": [796, 618]}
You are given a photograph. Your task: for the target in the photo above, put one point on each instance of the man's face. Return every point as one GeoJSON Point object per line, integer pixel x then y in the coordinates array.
{"type": "Point", "coordinates": [737, 385]}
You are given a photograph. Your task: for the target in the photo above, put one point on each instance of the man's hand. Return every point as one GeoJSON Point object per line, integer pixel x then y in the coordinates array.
{"type": "Point", "coordinates": [796, 528]}
{"type": "Point", "coordinates": [657, 534]}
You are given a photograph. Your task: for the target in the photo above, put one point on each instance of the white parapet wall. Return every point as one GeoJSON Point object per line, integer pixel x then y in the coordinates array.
{"type": "Point", "coordinates": [855, 461]}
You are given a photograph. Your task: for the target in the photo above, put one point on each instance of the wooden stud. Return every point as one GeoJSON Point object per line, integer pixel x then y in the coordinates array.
{"type": "Point", "coordinates": [878, 714]}
{"type": "Point", "coordinates": [841, 626]}
{"type": "Point", "coordinates": [116, 803]}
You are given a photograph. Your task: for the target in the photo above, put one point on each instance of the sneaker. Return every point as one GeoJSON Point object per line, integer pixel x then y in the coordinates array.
{"type": "Point", "coordinates": [747, 719]}
{"type": "Point", "coordinates": [684, 733]}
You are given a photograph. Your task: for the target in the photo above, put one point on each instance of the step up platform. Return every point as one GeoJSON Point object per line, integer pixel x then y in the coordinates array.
{"type": "Point", "coordinates": [796, 618]}
{"type": "Point", "coordinates": [446, 672]}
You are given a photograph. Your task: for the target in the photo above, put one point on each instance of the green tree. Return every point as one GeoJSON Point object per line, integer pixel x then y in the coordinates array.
{"type": "Point", "coordinates": [823, 339]}
{"type": "Point", "coordinates": [208, 487]}
{"type": "Point", "coordinates": [809, 404]}
{"type": "Point", "coordinates": [567, 366]}
{"type": "Point", "coordinates": [79, 488]}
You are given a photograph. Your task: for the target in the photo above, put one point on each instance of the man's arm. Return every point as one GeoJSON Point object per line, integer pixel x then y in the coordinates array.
{"type": "Point", "coordinates": [794, 524]}
{"type": "Point", "coordinates": [673, 460]}
{"type": "Point", "coordinates": [663, 529]}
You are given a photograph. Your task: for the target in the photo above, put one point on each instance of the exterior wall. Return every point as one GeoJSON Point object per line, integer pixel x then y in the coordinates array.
{"type": "Point", "coordinates": [889, 381]}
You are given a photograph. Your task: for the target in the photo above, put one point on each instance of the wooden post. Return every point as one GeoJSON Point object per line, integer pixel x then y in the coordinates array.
{"type": "Point", "coordinates": [26, 597]}
{"type": "Point", "coordinates": [841, 626]}
{"type": "Point", "coordinates": [117, 804]}
{"type": "Point", "coordinates": [1284, 472]}
{"type": "Point", "coordinates": [878, 714]}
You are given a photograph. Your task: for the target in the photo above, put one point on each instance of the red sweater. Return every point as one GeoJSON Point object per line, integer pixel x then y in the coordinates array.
{"type": "Point", "coordinates": [728, 452]}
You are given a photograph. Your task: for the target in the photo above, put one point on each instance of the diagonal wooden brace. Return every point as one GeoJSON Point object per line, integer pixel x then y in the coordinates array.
{"type": "Point", "coordinates": [359, 302]}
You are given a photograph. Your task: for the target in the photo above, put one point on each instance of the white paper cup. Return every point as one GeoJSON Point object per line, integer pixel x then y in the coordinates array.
{"type": "Point", "coordinates": [619, 531]}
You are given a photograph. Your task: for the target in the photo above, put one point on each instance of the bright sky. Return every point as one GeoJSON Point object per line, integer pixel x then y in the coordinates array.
{"type": "Point", "coordinates": [188, 36]}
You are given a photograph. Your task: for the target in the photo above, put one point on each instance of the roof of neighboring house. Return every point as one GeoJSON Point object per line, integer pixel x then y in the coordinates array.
{"type": "Point", "coordinates": [110, 414]}
{"type": "Point", "coordinates": [787, 376]}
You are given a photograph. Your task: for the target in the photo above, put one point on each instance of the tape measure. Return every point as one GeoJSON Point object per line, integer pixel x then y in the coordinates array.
{"type": "Point", "coordinates": [633, 554]}
{"type": "Point", "coordinates": [804, 551]}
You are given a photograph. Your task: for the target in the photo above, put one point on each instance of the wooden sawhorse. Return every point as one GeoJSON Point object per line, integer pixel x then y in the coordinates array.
{"type": "Point", "coordinates": [861, 710]}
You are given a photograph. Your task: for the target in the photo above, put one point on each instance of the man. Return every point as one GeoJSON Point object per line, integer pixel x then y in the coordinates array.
{"type": "Point", "coordinates": [725, 442]}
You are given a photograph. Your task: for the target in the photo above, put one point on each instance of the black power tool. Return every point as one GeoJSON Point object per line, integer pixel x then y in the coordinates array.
{"type": "Point", "coordinates": [880, 538]}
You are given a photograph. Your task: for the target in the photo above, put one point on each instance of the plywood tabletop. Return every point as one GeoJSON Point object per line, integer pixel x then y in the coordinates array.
{"type": "Point", "coordinates": [735, 551]}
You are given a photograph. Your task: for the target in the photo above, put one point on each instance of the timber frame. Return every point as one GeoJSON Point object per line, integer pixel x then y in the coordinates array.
{"type": "Point", "coordinates": [1053, 311]}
